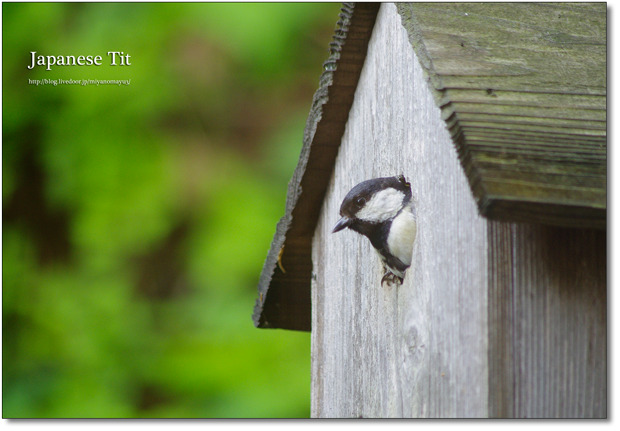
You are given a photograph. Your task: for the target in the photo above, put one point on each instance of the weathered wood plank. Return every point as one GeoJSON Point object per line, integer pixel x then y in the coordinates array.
{"type": "Point", "coordinates": [418, 350]}
{"type": "Point", "coordinates": [493, 319]}
{"type": "Point", "coordinates": [547, 322]}
{"type": "Point", "coordinates": [525, 44]}
{"type": "Point", "coordinates": [501, 72]}
{"type": "Point", "coordinates": [284, 297]}
{"type": "Point", "coordinates": [505, 111]}
{"type": "Point", "coordinates": [543, 99]}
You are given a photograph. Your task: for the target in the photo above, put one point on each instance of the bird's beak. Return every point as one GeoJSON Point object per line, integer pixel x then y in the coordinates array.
{"type": "Point", "coordinates": [342, 223]}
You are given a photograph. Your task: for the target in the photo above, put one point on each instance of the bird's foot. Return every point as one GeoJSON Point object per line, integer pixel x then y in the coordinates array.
{"type": "Point", "coordinates": [391, 278]}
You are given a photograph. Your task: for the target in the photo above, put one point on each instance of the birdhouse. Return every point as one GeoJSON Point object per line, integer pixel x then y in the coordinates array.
{"type": "Point", "coordinates": [495, 113]}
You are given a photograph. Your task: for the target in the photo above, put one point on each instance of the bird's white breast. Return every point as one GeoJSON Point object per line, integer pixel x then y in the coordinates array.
{"type": "Point", "coordinates": [402, 234]}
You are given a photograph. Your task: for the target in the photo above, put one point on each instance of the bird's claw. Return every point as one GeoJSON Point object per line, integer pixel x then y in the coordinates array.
{"type": "Point", "coordinates": [391, 278]}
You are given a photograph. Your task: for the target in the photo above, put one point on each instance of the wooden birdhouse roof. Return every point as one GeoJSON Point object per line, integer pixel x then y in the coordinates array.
{"type": "Point", "coordinates": [522, 90]}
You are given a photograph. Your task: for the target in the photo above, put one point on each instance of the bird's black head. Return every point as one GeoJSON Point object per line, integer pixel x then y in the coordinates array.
{"type": "Point", "coordinates": [373, 202]}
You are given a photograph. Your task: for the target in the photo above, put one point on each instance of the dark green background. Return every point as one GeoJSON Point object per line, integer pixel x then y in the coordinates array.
{"type": "Point", "coordinates": [136, 219]}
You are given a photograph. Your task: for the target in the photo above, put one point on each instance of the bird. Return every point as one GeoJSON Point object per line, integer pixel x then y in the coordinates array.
{"type": "Point", "coordinates": [382, 210]}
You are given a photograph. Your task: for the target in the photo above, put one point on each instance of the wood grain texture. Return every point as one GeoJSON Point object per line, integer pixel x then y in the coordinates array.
{"type": "Point", "coordinates": [522, 87]}
{"type": "Point", "coordinates": [418, 350]}
{"type": "Point", "coordinates": [284, 297]}
{"type": "Point", "coordinates": [494, 319]}
{"type": "Point", "coordinates": [547, 322]}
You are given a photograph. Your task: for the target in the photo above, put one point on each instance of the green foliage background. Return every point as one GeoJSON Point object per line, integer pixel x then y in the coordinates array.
{"type": "Point", "coordinates": [136, 219]}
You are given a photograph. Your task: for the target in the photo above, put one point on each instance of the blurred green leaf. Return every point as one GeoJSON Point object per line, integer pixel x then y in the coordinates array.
{"type": "Point", "coordinates": [136, 219]}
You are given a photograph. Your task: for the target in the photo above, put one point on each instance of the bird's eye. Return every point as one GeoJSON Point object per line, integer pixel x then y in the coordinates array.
{"type": "Point", "coordinates": [360, 202]}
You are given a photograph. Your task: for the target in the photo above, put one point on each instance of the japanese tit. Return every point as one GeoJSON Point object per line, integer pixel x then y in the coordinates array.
{"type": "Point", "coordinates": [382, 210]}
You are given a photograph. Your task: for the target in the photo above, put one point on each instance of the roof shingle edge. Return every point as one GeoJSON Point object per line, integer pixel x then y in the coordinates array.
{"type": "Point", "coordinates": [284, 297]}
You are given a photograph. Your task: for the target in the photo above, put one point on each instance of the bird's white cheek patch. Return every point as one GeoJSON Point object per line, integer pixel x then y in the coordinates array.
{"type": "Point", "coordinates": [383, 206]}
{"type": "Point", "coordinates": [401, 237]}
